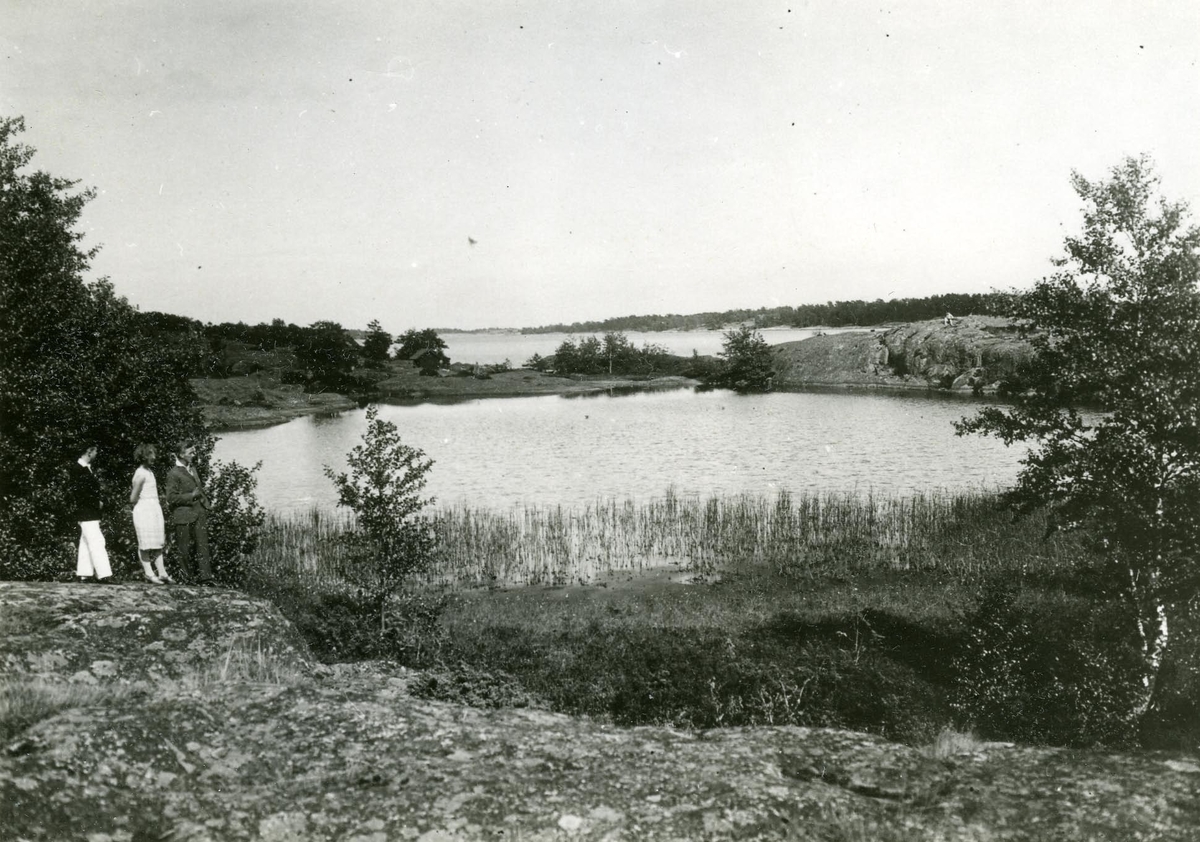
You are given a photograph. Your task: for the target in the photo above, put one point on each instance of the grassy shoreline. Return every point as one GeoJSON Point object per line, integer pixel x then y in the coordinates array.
{"type": "Point", "coordinates": [261, 400]}
{"type": "Point", "coordinates": [895, 617]}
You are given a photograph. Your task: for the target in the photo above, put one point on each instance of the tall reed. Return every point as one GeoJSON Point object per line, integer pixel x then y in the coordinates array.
{"type": "Point", "coordinates": [962, 534]}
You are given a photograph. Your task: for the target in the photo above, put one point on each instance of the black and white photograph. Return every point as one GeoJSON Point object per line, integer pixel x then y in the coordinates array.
{"type": "Point", "coordinates": [439, 421]}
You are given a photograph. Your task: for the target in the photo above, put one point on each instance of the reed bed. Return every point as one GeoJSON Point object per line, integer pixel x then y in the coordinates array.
{"type": "Point", "coordinates": [962, 534]}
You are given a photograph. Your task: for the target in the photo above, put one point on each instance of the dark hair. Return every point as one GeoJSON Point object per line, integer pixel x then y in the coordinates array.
{"type": "Point", "coordinates": [142, 451]}
{"type": "Point", "coordinates": [182, 445]}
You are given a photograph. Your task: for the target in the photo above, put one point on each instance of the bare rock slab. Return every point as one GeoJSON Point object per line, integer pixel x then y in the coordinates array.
{"type": "Point", "coordinates": [298, 751]}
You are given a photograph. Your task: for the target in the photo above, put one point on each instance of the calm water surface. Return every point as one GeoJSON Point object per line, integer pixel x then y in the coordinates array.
{"type": "Point", "coordinates": [497, 347]}
{"type": "Point", "coordinates": [556, 450]}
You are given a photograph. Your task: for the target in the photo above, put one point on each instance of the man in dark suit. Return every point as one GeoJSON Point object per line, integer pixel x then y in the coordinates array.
{"type": "Point", "coordinates": [189, 514]}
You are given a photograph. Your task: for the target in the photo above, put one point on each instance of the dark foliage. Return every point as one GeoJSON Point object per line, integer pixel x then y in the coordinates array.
{"type": "Point", "coordinates": [1058, 674]}
{"type": "Point", "coordinates": [425, 348]}
{"type": "Point", "coordinates": [1117, 331]}
{"type": "Point", "coordinates": [747, 362]}
{"type": "Point", "coordinates": [235, 518]}
{"type": "Point", "coordinates": [77, 363]}
{"type": "Point", "coordinates": [328, 355]}
{"type": "Point", "coordinates": [611, 354]}
{"type": "Point", "coordinates": [377, 344]}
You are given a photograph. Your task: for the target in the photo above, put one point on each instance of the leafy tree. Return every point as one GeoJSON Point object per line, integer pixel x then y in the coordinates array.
{"type": "Point", "coordinates": [537, 362]}
{"type": "Point", "coordinates": [414, 341]}
{"type": "Point", "coordinates": [377, 344]}
{"type": "Point", "coordinates": [383, 490]}
{"type": "Point", "coordinates": [748, 366]}
{"type": "Point", "coordinates": [75, 365]}
{"type": "Point", "coordinates": [613, 353]}
{"type": "Point", "coordinates": [566, 357]}
{"type": "Point", "coordinates": [1117, 332]}
{"type": "Point", "coordinates": [327, 353]}
{"type": "Point", "coordinates": [618, 351]}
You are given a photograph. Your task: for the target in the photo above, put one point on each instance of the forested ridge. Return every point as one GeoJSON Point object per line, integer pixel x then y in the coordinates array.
{"type": "Point", "coordinates": [830, 314]}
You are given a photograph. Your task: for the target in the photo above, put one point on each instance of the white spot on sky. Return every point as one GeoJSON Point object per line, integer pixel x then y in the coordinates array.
{"type": "Point", "coordinates": [399, 68]}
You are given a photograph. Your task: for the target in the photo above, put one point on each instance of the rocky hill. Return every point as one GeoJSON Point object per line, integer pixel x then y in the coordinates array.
{"type": "Point", "coordinates": [975, 351]}
{"type": "Point", "coordinates": [133, 712]}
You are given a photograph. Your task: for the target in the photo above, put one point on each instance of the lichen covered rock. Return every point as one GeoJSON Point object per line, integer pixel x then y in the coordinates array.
{"type": "Point", "coordinates": [297, 751]}
{"type": "Point", "coordinates": [971, 354]}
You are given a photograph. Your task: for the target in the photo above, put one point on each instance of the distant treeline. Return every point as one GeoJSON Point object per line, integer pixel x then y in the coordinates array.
{"type": "Point", "coordinates": [831, 314]}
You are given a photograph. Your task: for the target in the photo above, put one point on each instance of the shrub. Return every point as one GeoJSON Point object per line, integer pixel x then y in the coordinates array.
{"type": "Point", "coordinates": [393, 539]}
{"type": "Point", "coordinates": [1046, 675]}
{"type": "Point", "coordinates": [464, 684]}
{"type": "Point", "coordinates": [748, 365]}
{"type": "Point", "coordinates": [235, 518]}
{"type": "Point", "coordinates": [538, 363]}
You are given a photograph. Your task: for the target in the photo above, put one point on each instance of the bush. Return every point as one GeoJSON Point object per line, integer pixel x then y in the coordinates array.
{"type": "Point", "coordinates": [235, 518]}
{"type": "Point", "coordinates": [706, 678]}
{"type": "Point", "coordinates": [748, 364]}
{"type": "Point", "coordinates": [393, 540]}
{"type": "Point", "coordinates": [1052, 675]}
{"type": "Point", "coordinates": [464, 684]}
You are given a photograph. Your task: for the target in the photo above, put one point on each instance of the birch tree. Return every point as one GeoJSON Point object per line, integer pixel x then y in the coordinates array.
{"type": "Point", "coordinates": [1111, 407]}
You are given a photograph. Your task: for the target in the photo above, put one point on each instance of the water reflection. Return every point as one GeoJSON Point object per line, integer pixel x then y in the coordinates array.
{"type": "Point", "coordinates": [551, 450]}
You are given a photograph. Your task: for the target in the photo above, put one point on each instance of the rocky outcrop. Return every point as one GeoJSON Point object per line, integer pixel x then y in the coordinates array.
{"type": "Point", "coordinates": [971, 354]}
{"type": "Point", "coordinates": [187, 714]}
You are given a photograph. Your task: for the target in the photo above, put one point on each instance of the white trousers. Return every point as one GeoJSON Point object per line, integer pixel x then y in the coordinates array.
{"type": "Point", "coordinates": [93, 557]}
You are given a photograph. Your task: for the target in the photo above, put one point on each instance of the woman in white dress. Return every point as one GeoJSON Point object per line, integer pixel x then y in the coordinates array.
{"type": "Point", "coordinates": [148, 516]}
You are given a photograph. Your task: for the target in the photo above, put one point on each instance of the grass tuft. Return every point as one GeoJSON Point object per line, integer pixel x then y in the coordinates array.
{"type": "Point", "coordinates": [26, 702]}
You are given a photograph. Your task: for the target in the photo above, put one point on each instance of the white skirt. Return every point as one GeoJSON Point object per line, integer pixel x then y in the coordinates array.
{"type": "Point", "coordinates": [148, 523]}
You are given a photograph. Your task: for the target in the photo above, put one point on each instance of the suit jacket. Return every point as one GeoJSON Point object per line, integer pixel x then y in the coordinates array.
{"type": "Point", "coordinates": [85, 491]}
{"type": "Point", "coordinates": [185, 495]}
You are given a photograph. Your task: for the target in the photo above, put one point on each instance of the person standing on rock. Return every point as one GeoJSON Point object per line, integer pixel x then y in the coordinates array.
{"type": "Point", "coordinates": [92, 562]}
{"type": "Point", "coordinates": [189, 514]}
{"type": "Point", "coordinates": [147, 516]}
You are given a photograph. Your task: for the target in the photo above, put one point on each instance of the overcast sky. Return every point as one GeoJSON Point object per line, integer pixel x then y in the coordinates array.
{"type": "Point", "coordinates": [316, 160]}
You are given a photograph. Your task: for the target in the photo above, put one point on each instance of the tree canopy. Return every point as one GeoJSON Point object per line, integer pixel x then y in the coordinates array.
{"type": "Point", "coordinates": [77, 365]}
{"type": "Point", "coordinates": [328, 354]}
{"type": "Point", "coordinates": [377, 344]}
{"type": "Point", "coordinates": [414, 342]}
{"type": "Point", "coordinates": [748, 366]}
{"type": "Point", "coordinates": [611, 354]}
{"type": "Point", "coordinates": [1112, 402]}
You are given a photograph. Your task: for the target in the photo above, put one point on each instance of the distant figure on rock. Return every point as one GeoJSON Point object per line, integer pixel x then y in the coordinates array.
{"type": "Point", "coordinates": [147, 516]}
{"type": "Point", "coordinates": [189, 513]}
{"type": "Point", "coordinates": [85, 492]}
{"type": "Point", "coordinates": [948, 321]}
